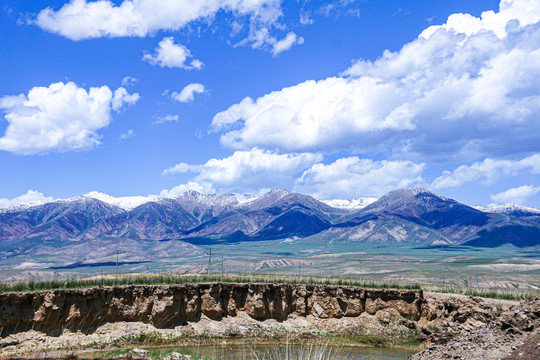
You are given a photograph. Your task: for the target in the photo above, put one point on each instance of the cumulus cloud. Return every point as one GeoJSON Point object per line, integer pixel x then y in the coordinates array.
{"type": "Point", "coordinates": [355, 177]}
{"type": "Point", "coordinates": [61, 117]}
{"type": "Point", "coordinates": [247, 171]}
{"type": "Point", "coordinates": [516, 196]}
{"type": "Point", "coordinates": [81, 19]}
{"type": "Point", "coordinates": [466, 89]}
{"type": "Point", "coordinates": [314, 115]}
{"type": "Point", "coordinates": [188, 93]}
{"type": "Point", "coordinates": [171, 55]}
{"type": "Point", "coordinates": [486, 172]}
{"type": "Point", "coordinates": [167, 118]}
{"type": "Point", "coordinates": [250, 171]}
{"type": "Point", "coordinates": [32, 196]}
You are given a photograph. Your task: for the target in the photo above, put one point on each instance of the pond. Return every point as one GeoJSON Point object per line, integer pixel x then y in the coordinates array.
{"type": "Point", "coordinates": [279, 352]}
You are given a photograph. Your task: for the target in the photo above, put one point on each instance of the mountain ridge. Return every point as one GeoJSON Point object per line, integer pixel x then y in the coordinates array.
{"type": "Point", "coordinates": [404, 217]}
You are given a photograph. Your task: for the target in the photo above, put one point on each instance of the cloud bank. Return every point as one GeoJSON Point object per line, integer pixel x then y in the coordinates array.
{"type": "Point", "coordinates": [81, 19]}
{"type": "Point", "coordinates": [517, 195]}
{"type": "Point", "coordinates": [355, 177]}
{"type": "Point", "coordinates": [256, 169]}
{"type": "Point", "coordinates": [463, 90]}
{"type": "Point", "coordinates": [243, 172]}
{"type": "Point", "coordinates": [487, 172]}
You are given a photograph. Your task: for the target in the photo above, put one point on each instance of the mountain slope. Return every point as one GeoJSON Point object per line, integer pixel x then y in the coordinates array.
{"type": "Point", "coordinates": [408, 217]}
{"type": "Point", "coordinates": [420, 216]}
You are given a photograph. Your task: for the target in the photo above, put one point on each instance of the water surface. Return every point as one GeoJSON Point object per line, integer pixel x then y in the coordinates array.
{"type": "Point", "coordinates": [296, 352]}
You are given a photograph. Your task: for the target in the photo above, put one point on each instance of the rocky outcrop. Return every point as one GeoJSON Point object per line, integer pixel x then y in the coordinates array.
{"type": "Point", "coordinates": [488, 331]}
{"type": "Point", "coordinates": [171, 305]}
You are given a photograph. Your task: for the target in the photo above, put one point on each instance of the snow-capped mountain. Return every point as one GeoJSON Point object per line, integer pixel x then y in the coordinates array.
{"type": "Point", "coordinates": [126, 203]}
{"type": "Point", "coordinates": [352, 204]}
{"type": "Point", "coordinates": [509, 209]}
{"type": "Point", "coordinates": [408, 217]}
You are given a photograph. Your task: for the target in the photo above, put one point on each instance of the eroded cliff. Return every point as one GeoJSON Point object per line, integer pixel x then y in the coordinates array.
{"type": "Point", "coordinates": [166, 306]}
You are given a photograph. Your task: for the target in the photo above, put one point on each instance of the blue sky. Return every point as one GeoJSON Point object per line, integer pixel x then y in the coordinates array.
{"type": "Point", "coordinates": [338, 99]}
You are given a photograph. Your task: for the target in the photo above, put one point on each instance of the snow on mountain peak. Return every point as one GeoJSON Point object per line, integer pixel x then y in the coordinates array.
{"type": "Point", "coordinates": [508, 209]}
{"type": "Point", "coordinates": [127, 203]}
{"type": "Point", "coordinates": [351, 204]}
{"type": "Point", "coordinates": [216, 199]}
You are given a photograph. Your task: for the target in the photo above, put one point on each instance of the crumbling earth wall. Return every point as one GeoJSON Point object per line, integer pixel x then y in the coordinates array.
{"type": "Point", "coordinates": [84, 310]}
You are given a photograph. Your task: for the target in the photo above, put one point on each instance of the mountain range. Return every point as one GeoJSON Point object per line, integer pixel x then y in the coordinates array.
{"type": "Point", "coordinates": [414, 217]}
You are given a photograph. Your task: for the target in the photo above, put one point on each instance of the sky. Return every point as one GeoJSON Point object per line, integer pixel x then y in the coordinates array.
{"type": "Point", "coordinates": [339, 99]}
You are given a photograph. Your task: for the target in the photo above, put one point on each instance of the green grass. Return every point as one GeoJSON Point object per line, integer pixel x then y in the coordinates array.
{"type": "Point", "coordinates": [168, 279]}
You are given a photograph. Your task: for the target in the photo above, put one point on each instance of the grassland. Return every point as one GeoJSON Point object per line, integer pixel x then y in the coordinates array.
{"type": "Point", "coordinates": [170, 278]}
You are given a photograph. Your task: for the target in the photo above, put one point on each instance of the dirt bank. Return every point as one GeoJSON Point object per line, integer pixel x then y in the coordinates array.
{"type": "Point", "coordinates": [107, 317]}
{"type": "Point", "coordinates": [165, 306]}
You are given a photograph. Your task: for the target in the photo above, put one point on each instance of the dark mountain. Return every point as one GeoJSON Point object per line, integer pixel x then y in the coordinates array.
{"type": "Point", "coordinates": [275, 215]}
{"type": "Point", "coordinates": [157, 220]}
{"type": "Point", "coordinates": [419, 216]}
{"type": "Point", "coordinates": [65, 219]}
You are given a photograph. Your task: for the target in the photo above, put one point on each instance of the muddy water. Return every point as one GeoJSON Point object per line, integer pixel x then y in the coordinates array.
{"type": "Point", "coordinates": [298, 352]}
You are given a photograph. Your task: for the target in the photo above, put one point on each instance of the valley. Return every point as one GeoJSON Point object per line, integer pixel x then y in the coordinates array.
{"type": "Point", "coordinates": [409, 235]}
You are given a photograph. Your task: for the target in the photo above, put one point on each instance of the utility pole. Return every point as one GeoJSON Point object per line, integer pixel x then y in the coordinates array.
{"type": "Point", "coordinates": [116, 273]}
{"type": "Point", "coordinates": [222, 267]}
{"type": "Point", "coordinates": [209, 253]}
{"type": "Point", "coordinates": [299, 269]}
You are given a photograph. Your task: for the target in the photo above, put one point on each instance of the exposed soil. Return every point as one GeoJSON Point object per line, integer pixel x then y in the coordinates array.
{"type": "Point", "coordinates": [515, 334]}
{"type": "Point", "coordinates": [61, 322]}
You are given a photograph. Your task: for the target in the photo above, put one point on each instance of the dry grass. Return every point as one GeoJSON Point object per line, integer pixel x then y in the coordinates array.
{"type": "Point", "coordinates": [169, 278]}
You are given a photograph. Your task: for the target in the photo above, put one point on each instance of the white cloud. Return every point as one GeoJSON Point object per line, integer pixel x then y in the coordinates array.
{"type": "Point", "coordinates": [517, 195]}
{"type": "Point", "coordinates": [179, 168]}
{"type": "Point", "coordinates": [355, 177]}
{"type": "Point", "coordinates": [314, 115]}
{"type": "Point", "coordinates": [262, 39]}
{"type": "Point", "coordinates": [167, 118]}
{"type": "Point", "coordinates": [129, 81]}
{"type": "Point", "coordinates": [121, 97]}
{"type": "Point", "coordinates": [486, 172]}
{"type": "Point", "coordinates": [247, 171]}
{"type": "Point", "coordinates": [171, 55]}
{"type": "Point", "coordinates": [205, 188]}
{"type": "Point", "coordinates": [81, 19]}
{"type": "Point", "coordinates": [286, 43]}
{"type": "Point", "coordinates": [305, 19]}
{"type": "Point", "coordinates": [188, 93]}
{"type": "Point", "coordinates": [61, 117]}
{"type": "Point", "coordinates": [466, 90]}
{"type": "Point", "coordinates": [128, 134]}
{"type": "Point", "coordinates": [251, 171]}
{"type": "Point", "coordinates": [526, 11]}
{"type": "Point", "coordinates": [32, 196]}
